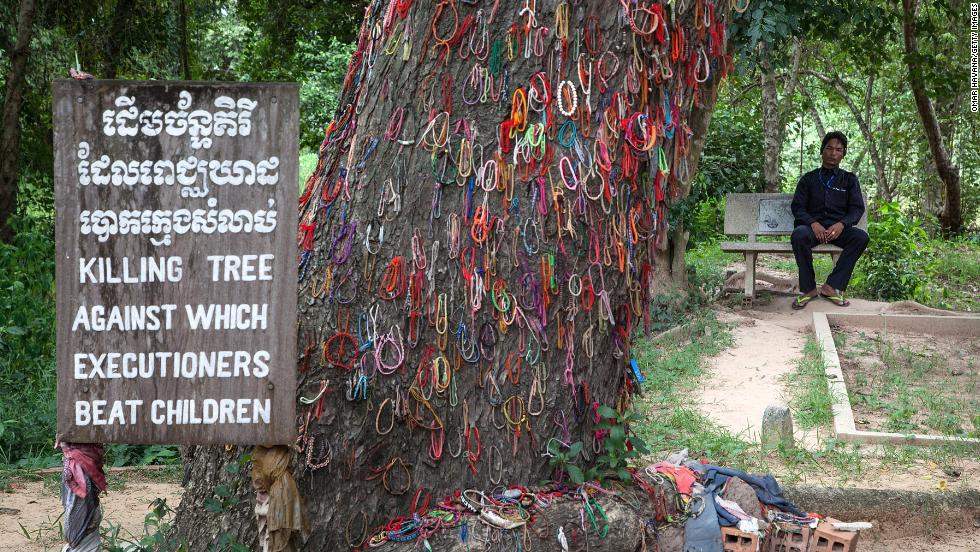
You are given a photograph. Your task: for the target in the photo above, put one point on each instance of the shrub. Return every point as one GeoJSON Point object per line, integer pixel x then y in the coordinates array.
{"type": "Point", "coordinates": [27, 340]}
{"type": "Point", "coordinates": [893, 262]}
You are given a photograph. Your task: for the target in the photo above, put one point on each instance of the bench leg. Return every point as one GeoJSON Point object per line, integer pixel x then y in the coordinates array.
{"type": "Point", "coordinates": [749, 276]}
{"type": "Point", "coordinates": [834, 257]}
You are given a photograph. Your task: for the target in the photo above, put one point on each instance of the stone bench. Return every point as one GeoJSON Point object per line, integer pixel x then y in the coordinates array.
{"type": "Point", "coordinates": [755, 215]}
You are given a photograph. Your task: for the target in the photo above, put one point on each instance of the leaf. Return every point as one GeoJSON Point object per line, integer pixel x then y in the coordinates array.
{"type": "Point", "coordinates": [223, 491]}
{"type": "Point", "coordinates": [575, 473]}
{"type": "Point", "coordinates": [617, 433]}
{"type": "Point", "coordinates": [212, 505]}
{"type": "Point", "coordinates": [607, 412]}
{"type": "Point", "coordinates": [575, 449]}
{"type": "Point", "coordinates": [624, 475]}
{"type": "Point", "coordinates": [15, 330]}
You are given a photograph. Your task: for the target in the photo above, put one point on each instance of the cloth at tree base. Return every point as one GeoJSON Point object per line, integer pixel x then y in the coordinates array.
{"type": "Point", "coordinates": [82, 460]}
{"type": "Point", "coordinates": [283, 511]}
{"type": "Point", "coordinates": [91, 543]}
{"type": "Point", "coordinates": [83, 512]}
{"type": "Point", "coordinates": [682, 475]}
{"type": "Point", "coordinates": [766, 489]}
{"type": "Point", "coordinates": [702, 533]}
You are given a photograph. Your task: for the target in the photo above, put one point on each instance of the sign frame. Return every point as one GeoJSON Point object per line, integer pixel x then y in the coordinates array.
{"type": "Point", "coordinates": [198, 350]}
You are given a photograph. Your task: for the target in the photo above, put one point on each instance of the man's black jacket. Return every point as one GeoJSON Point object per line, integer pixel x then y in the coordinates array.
{"type": "Point", "coordinates": [828, 197]}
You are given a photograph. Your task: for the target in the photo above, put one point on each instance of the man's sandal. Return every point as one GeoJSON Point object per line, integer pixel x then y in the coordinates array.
{"type": "Point", "coordinates": [802, 301]}
{"type": "Point", "coordinates": [837, 298]}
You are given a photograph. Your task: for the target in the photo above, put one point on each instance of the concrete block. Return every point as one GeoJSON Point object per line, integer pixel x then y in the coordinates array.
{"type": "Point", "coordinates": [733, 540]}
{"type": "Point", "coordinates": [827, 539]}
{"type": "Point", "coordinates": [792, 539]}
{"type": "Point", "coordinates": [777, 427]}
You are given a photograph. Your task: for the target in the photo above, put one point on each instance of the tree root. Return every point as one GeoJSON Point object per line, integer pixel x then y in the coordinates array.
{"type": "Point", "coordinates": [781, 286]}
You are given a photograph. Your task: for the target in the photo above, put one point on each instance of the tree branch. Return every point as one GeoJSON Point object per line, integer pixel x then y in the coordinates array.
{"type": "Point", "coordinates": [951, 216]}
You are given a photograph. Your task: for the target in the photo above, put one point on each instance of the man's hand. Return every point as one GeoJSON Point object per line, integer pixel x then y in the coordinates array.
{"type": "Point", "coordinates": [819, 231]}
{"type": "Point", "coordinates": [834, 232]}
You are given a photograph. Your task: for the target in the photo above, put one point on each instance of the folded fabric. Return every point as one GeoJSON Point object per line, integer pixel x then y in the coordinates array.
{"type": "Point", "coordinates": [732, 508]}
{"type": "Point", "coordinates": [683, 476]}
{"type": "Point", "coordinates": [766, 488]}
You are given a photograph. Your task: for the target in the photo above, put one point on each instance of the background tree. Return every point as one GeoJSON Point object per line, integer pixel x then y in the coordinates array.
{"type": "Point", "coordinates": [486, 223]}
{"type": "Point", "coordinates": [951, 215]}
{"type": "Point", "coordinates": [10, 117]}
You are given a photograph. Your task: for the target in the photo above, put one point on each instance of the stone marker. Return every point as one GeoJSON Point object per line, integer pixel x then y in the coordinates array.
{"type": "Point", "coordinates": [777, 427]}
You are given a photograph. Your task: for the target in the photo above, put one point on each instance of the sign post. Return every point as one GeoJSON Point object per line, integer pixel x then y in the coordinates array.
{"type": "Point", "coordinates": [176, 269]}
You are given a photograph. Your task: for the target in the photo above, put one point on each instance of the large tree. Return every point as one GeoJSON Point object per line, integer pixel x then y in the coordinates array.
{"type": "Point", "coordinates": [10, 116]}
{"type": "Point", "coordinates": [951, 215]}
{"type": "Point", "coordinates": [478, 245]}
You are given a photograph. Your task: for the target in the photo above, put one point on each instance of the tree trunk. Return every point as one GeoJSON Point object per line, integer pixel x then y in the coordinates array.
{"type": "Point", "coordinates": [772, 143]}
{"type": "Point", "coordinates": [445, 278]}
{"type": "Point", "coordinates": [951, 215]}
{"type": "Point", "coordinates": [10, 123]}
{"type": "Point", "coordinates": [811, 106]}
{"type": "Point", "coordinates": [185, 58]}
{"type": "Point", "coordinates": [774, 112]}
{"type": "Point", "coordinates": [113, 47]}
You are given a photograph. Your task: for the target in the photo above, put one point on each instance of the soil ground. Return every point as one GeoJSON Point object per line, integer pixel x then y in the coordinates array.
{"type": "Point", "coordinates": [967, 540]}
{"type": "Point", "coordinates": [30, 515]}
{"type": "Point", "coordinates": [911, 382]}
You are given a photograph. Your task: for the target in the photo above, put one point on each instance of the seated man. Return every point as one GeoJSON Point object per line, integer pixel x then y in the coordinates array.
{"type": "Point", "coordinates": [826, 207]}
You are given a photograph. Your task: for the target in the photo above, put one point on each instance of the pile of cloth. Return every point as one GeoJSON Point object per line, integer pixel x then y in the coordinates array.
{"type": "Point", "coordinates": [676, 505]}
{"type": "Point", "coordinates": [702, 498]}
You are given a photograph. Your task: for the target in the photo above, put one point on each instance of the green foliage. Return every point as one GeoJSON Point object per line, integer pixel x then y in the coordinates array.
{"type": "Point", "coordinates": [730, 163]}
{"type": "Point", "coordinates": [155, 537]}
{"type": "Point", "coordinates": [952, 274]}
{"type": "Point", "coordinates": [247, 42]}
{"type": "Point", "coordinates": [768, 22]}
{"type": "Point", "coordinates": [620, 448]}
{"type": "Point", "coordinates": [708, 220]}
{"type": "Point", "coordinates": [119, 454]}
{"type": "Point", "coordinates": [27, 335]}
{"type": "Point", "coordinates": [893, 260]}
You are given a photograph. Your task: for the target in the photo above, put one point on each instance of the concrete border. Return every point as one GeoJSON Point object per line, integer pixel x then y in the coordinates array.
{"type": "Point", "coordinates": [844, 427]}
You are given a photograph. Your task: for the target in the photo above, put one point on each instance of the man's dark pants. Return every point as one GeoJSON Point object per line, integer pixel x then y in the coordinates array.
{"type": "Point", "coordinates": [852, 240]}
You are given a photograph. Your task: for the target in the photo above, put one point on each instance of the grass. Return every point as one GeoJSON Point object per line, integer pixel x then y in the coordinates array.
{"type": "Point", "coordinates": [307, 164]}
{"type": "Point", "coordinates": [673, 367]}
{"type": "Point", "coordinates": [810, 396]}
{"type": "Point", "coordinates": [706, 264]}
{"type": "Point", "coordinates": [905, 387]}
{"type": "Point", "coordinates": [953, 275]}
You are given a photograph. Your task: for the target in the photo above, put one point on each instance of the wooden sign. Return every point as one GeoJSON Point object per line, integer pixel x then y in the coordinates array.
{"type": "Point", "coordinates": [176, 269]}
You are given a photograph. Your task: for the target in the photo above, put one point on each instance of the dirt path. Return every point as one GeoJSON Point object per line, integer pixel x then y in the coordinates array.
{"type": "Point", "coordinates": [750, 376]}
{"type": "Point", "coordinates": [36, 508]}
